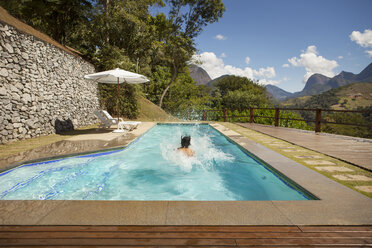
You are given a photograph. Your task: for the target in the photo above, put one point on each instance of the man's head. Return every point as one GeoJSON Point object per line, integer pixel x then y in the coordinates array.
{"type": "Point", "coordinates": [185, 141]}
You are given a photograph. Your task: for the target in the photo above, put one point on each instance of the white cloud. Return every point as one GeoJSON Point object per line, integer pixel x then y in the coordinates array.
{"type": "Point", "coordinates": [247, 60]}
{"type": "Point", "coordinates": [216, 67]}
{"type": "Point", "coordinates": [340, 57]}
{"type": "Point", "coordinates": [314, 63]}
{"type": "Point", "coordinates": [285, 65]}
{"type": "Point", "coordinates": [363, 39]}
{"type": "Point", "coordinates": [223, 55]}
{"type": "Point", "coordinates": [220, 37]}
{"type": "Point", "coordinates": [266, 82]}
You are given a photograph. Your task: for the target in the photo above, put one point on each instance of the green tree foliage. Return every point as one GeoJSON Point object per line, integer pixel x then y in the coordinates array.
{"type": "Point", "coordinates": [187, 19]}
{"type": "Point", "coordinates": [59, 19]}
{"type": "Point", "coordinates": [233, 92]}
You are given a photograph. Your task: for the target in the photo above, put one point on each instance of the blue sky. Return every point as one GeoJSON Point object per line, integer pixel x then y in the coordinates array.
{"type": "Point", "coordinates": [304, 36]}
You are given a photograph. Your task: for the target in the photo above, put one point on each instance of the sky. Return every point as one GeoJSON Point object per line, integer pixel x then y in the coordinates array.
{"type": "Point", "coordinates": [284, 42]}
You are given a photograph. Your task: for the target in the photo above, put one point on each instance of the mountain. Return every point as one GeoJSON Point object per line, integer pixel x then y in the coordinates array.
{"type": "Point", "coordinates": [278, 93]}
{"type": "Point", "coordinates": [316, 84]}
{"type": "Point", "coordinates": [319, 83]}
{"type": "Point", "coordinates": [199, 75]}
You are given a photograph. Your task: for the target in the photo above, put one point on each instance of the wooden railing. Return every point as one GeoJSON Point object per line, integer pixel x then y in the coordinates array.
{"type": "Point", "coordinates": [318, 116]}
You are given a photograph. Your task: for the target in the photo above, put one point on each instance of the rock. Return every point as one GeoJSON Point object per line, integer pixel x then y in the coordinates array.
{"type": "Point", "coordinates": [15, 97]}
{"type": "Point", "coordinates": [4, 28]}
{"type": "Point", "coordinates": [4, 132]}
{"type": "Point", "coordinates": [9, 66]}
{"type": "Point", "coordinates": [30, 123]}
{"type": "Point", "coordinates": [4, 72]}
{"type": "Point", "coordinates": [9, 127]}
{"type": "Point", "coordinates": [16, 119]}
{"type": "Point", "coordinates": [25, 55]}
{"type": "Point", "coordinates": [9, 48]}
{"type": "Point", "coordinates": [21, 130]}
{"type": "Point", "coordinates": [26, 98]}
{"type": "Point", "coordinates": [8, 106]}
{"type": "Point", "coordinates": [17, 125]}
{"type": "Point", "coordinates": [3, 91]}
{"type": "Point", "coordinates": [19, 86]}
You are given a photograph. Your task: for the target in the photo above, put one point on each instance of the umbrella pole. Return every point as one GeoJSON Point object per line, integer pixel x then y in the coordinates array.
{"type": "Point", "coordinates": [117, 101]}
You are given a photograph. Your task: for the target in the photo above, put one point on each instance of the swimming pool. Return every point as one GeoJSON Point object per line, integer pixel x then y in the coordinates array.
{"type": "Point", "coordinates": [151, 168]}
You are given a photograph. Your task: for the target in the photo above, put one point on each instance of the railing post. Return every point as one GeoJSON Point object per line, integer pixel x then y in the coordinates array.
{"type": "Point", "coordinates": [276, 117]}
{"type": "Point", "coordinates": [204, 115]}
{"type": "Point", "coordinates": [318, 119]}
{"type": "Point", "coordinates": [251, 120]}
{"type": "Point", "coordinates": [225, 115]}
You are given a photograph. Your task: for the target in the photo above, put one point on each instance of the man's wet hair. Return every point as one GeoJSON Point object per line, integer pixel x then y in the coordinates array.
{"type": "Point", "coordinates": [185, 141]}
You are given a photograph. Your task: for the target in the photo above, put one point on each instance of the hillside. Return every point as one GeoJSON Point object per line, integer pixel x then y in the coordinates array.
{"type": "Point", "coordinates": [347, 97]}
{"type": "Point", "coordinates": [353, 96]}
{"type": "Point", "coordinates": [298, 101]}
{"type": "Point", "coordinates": [148, 111]}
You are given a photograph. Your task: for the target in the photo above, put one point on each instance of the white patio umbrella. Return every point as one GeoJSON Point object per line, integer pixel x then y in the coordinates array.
{"type": "Point", "coordinates": [117, 76]}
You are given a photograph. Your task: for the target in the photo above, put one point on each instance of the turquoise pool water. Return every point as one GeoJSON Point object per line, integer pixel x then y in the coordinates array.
{"type": "Point", "coordinates": [151, 168]}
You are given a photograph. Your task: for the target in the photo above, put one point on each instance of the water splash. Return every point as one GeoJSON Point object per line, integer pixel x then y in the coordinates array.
{"type": "Point", "coordinates": [207, 155]}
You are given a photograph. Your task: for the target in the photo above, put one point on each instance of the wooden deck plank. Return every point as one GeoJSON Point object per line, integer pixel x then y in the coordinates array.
{"type": "Point", "coordinates": [300, 241]}
{"type": "Point", "coordinates": [180, 235]}
{"type": "Point", "coordinates": [98, 242]}
{"type": "Point", "coordinates": [152, 228]}
{"type": "Point", "coordinates": [186, 236]}
{"type": "Point", "coordinates": [336, 229]}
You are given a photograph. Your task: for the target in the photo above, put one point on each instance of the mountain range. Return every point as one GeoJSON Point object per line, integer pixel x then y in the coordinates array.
{"type": "Point", "coordinates": [316, 84]}
{"type": "Point", "coordinates": [319, 83]}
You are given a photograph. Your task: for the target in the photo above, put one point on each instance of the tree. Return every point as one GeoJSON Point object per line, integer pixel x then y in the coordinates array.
{"type": "Point", "coordinates": [187, 19]}
{"type": "Point", "coordinates": [60, 19]}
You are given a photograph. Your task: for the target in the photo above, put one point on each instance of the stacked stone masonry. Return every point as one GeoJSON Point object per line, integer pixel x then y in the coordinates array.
{"type": "Point", "coordinates": [42, 88]}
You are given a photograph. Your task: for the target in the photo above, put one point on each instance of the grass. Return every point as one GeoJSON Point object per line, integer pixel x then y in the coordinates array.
{"type": "Point", "coordinates": [274, 144]}
{"type": "Point", "coordinates": [16, 147]}
{"type": "Point", "coordinates": [151, 112]}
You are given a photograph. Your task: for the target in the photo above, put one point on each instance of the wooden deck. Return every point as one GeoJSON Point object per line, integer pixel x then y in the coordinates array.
{"type": "Point", "coordinates": [190, 236]}
{"type": "Point", "coordinates": [356, 151]}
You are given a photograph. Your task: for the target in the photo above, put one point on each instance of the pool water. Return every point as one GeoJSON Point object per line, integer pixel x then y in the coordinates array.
{"type": "Point", "coordinates": [151, 168]}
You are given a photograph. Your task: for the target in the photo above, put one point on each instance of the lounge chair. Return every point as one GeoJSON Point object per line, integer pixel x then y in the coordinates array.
{"type": "Point", "coordinates": [107, 121]}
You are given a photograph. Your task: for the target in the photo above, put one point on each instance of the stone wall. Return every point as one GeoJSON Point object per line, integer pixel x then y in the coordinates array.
{"type": "Point", "coordinates": [42, 87]}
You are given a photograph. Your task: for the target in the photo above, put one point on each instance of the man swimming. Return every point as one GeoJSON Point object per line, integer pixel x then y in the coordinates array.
{"type": "Point", "coordinates": [185, 143]}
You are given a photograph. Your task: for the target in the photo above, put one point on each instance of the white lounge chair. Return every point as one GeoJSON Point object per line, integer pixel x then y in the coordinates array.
{"type": "Point", "coordinates": [107, 121]}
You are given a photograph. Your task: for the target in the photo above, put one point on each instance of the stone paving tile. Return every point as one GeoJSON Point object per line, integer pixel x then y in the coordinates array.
{"type": "Point", "coordinates": [333, 168]}
{"type": "Point", "coordinates": [292, 150]}
{"type": "Point", "coordinates": [287, 147]}
{"type": "Point", "coordinates": [319, 162]}
{"type": "Point", "coordinates": [364, 188]}
{"type": "Point", "coordinates": [307, 156]}
{"type": "Point", "coordinates": [348, 177]}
